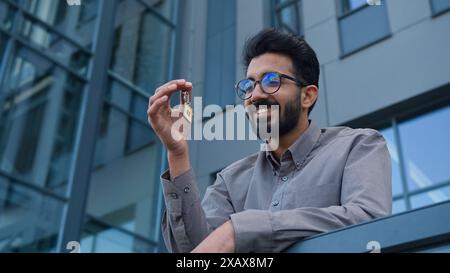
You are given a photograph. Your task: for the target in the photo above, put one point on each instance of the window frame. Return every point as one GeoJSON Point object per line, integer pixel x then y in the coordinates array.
{"type": "Point", "coordinates": [436, 13]}
{"type": "Point", "coordinates": [342, 14]}
{"type": "Point", "coordinates": [392, 116]}
{"type": "Point", "coordinates": [277, 8]}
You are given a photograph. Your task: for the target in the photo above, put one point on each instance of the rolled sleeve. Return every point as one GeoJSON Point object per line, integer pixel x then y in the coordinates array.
{"type": "Point", "coordinates": [253, 231]}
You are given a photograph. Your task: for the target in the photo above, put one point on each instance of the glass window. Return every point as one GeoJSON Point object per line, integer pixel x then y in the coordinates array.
{"type": "Point", "coordinates": [29, 221]}
{"type": "Point", "coordinates": [142, 46]}
{"type": "Point", "coordinates": [430, 197]}
{"type": "Point", "coordinates": [220, 53]}
{"type": "Point", "coordinates": [124, 127]}
{"type": "Point", "coordinates": [350, 5]}
{"type": "Point", "coordinates": [397, 187]}
{"type": "Point", "coordinates": [3, 41]}
{"type": "Point", "coordinates": [288, 16]}
{"type": "Point", "coordinates": [56, 46]}
{"type": "Point", "coordinates": [140, 133]}
{"type": "Point", "coordinates": [153, 49]}
{"type": "Point", "coordinates": [39, 118]}
{"type": "Point", "coordinates": [59, 16]}
{"type": "Point", "coordinates": [98, 238]}
{"type": "Point", "coordinates": [125, 190]}
{"type": "Point", "coordinates": [6, 16]}
{"type": "Point", "coordinates": [63, 147]}
{"type": "Point", "coordinates": [398, 206]}
{"type": "Point", "coordinates": [354, 4]}
{"type": "Point", "coordinates": [439, 6]}
{"type": "Point", "coordinates": [40, 104]}
{"type": "Point", "coordinates": [47, 11]}
{"type": "Point", "coordinates": [124, 180]}
{"type": "Point", "coordinates": [363, 28]}
{"type": "Point", "coordinates": [110, 143]}
{"type": "Point", "coordinates": [88, 11]}
{"type": "Point", "coordinates": [427, 154]}
{"type": "Point", "coordinates": [166, 8]}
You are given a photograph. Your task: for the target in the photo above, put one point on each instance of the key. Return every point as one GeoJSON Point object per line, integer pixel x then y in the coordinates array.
{"type": "Point", "coordinates": [187, 110]}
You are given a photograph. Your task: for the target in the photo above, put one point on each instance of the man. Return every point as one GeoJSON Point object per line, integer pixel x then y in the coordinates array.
{"type": "Point", "coordinates": [316, 180]}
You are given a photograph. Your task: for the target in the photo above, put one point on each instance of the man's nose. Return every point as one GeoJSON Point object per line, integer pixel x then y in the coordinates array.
{"type": "Point", "coordinates": [258, 94]}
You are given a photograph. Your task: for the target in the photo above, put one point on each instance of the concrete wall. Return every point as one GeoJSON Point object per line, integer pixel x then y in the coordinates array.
{"type": "Point", "coordinates": [415, 59]}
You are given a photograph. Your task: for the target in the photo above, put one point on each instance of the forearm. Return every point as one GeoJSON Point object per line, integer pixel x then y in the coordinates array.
{"type": "Point", "coordinates": [267, 231]}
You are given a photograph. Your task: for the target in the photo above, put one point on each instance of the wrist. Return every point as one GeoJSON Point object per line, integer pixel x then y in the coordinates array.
{"type": "Point", "coordinates": [177, 155]}
{"type": "Point", "coordinates": [178, 164]}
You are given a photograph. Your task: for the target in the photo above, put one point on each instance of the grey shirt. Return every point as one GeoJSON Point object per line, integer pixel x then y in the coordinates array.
{"type": "Point", "coordinates": [329, 178]}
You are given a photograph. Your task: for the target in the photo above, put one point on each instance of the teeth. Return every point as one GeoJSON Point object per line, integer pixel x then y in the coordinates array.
{"type": "Point", "coordinates": [262, 110]}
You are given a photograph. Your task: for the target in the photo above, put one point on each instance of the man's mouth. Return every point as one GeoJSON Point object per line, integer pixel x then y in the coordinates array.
{"type": "Point", "coordinates": [262, 110]}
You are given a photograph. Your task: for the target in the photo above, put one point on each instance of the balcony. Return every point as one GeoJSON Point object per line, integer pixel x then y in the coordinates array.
{"type": "Point", "coordinates": [422, 230]}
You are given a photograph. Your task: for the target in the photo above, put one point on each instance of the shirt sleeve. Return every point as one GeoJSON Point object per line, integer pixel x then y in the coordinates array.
{"type": "Point", "coordinates": [185, 223]}
{"type": "Point", "coordinates": [366, 194]}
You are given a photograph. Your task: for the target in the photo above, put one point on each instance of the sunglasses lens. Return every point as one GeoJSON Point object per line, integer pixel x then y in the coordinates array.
{"type": "Point", "coordinates": [271, 82]}
{"type": "Point", "coordinates": [244, 89]}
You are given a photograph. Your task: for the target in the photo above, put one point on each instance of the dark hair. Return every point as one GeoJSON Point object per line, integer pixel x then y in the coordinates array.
{"type": "Point", "coordinates": [296, 48]}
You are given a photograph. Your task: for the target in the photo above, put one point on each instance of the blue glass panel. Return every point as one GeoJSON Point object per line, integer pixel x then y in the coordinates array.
{"type": "Point", "coordinates": [431, 197]}
{"type": "Point", "coordinates": [29, 221]}
{"type": "Point", "coordinates": [426, 148]}
{"type": "Point", "coordinates": [364, 27]}
{"type": "Point", "coordinates": [398, 206]}
{"type": "Point", "coordinates": [440, 5]}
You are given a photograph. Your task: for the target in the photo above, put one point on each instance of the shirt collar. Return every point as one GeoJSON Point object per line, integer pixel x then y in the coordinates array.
{"type": "Point", "coordinates": [301, 147]}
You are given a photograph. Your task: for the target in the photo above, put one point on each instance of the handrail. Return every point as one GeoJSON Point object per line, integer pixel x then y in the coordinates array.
{"type": "Point", "coordinates": [407, 231]}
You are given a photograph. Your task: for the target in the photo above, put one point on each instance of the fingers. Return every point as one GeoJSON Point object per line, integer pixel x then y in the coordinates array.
{"type": "Point", "coordinates": [169, 88]}
{"type": "Point", "coordinates": [179, 81]}
{"type": "Point", "coordinates": [156, 106]}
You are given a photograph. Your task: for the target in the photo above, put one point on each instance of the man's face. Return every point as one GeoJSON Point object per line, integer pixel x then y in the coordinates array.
{"type": "Point", "coordinates": [287, 97]}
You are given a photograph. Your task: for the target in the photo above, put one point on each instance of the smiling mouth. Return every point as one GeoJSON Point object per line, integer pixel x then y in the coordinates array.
{"type": "Point", "coordinates": [262, 110]}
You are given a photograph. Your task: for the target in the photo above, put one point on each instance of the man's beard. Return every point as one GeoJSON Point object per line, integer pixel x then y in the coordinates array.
{"type": "Point", "coordinates": [290, 116]}
{"type": "Point", "coordinates": [288, 120]}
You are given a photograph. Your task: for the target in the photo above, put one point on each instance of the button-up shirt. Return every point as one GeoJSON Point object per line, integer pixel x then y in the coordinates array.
{"type": "Point", "coordinates": [329, 178]}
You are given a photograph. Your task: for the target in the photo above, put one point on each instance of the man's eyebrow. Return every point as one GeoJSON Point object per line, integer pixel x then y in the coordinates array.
{"type": "Point", "coordinates": [260, 75]}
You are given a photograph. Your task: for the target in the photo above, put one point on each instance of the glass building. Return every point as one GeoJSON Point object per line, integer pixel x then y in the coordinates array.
{"type": "Point", "coordinates": [77, 157]}
{"type": "Point", "coordinates": [79, 162]}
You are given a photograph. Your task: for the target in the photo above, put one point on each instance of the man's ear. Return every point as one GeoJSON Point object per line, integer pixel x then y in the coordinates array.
{"type": "Point", "coordinates": [309, 96]}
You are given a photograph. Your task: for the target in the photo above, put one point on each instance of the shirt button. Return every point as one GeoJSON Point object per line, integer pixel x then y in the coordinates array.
{"type": "Point", "coordinates": [187, 189]}
{"type": "Point", "coordinates": [284, 178]}
{"type": "Point", "coordinates": [174, 195]}
{"type": "Point", "coordinates": [275, 203]}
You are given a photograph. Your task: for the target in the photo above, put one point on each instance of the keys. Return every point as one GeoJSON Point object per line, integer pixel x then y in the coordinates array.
{"type": "Point", "coordinates": [187, 110]}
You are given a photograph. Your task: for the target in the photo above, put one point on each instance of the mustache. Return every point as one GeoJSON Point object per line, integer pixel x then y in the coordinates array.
{"type": "Point", "coordinates": [266, 103]}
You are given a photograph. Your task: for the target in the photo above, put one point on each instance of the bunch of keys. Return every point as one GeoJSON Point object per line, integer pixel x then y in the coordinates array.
{"type": "Point", "coordinates": [187, 109]}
